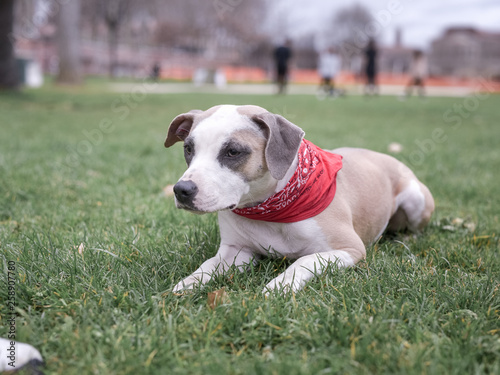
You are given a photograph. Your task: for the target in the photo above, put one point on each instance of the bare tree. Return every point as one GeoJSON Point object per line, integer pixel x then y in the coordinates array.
{"type": "Point", "coordinates": [8, 71]}
{"type": "Point", "coordinates": [68, 42]}
{"type": "Point", "coordinates": [351, 29]}
{"type": "Point", "coordinates": [114, 13]}
{"type": "Point", "coordinates": [203, 28]}
{"type": "Point", "coordinates": [210, 27]}
{"type": "Point", "coordinates": [186, 22]}
{"type": "Point", "coordinates": [243, 22]}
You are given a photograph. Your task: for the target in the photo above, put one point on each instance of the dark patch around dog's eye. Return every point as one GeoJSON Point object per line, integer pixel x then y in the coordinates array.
{"type": "Point", "coordinates": [188, 150]}
{"type": "Point", "coordinates": [233, 155]}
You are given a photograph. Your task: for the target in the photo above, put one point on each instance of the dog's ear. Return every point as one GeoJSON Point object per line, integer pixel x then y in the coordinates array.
{"type": "Point", "coordinates": [180, 127]}
{"type": "Point", "coordinates": [283, 142]}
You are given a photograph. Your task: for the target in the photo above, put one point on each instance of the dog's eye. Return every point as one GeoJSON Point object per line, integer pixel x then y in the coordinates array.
{"type": "Point", "coordinates": [231, 153]}
{"type": "Point", "coordinates": [188, 150]}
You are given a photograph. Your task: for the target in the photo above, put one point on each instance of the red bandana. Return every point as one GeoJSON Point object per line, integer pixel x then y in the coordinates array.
{"type": "Point", "coordinates": [310, 190]}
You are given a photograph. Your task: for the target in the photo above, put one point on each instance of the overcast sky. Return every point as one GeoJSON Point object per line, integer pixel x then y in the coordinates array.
{"type": "Point", "coordinates": [421, 21]}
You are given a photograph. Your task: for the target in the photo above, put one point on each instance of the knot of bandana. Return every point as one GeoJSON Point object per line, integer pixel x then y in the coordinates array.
{"type": "Point", "coordinates": [310, 190]}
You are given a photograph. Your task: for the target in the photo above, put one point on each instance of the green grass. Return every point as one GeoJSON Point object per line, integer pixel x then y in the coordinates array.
{"type": "Point", "coordinates": [417, 305]}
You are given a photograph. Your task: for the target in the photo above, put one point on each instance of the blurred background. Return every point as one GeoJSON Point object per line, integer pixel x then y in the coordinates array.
{"type": "Point", "coordinates": [232, 41]}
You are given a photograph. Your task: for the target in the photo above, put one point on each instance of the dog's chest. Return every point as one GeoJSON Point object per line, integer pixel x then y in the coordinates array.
{"type": "Point", "coordinates": [272, 239]}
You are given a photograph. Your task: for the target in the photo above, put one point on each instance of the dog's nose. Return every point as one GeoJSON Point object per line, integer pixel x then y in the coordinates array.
{"type": "Point", "coordinates": [185, 191]}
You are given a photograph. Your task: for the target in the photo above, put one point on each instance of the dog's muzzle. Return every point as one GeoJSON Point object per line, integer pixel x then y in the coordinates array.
{"type": "Point", "coordinates": [185, 191]}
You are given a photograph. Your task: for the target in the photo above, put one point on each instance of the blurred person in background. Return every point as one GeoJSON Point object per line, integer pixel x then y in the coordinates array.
{"type": "Point", "coordinates": [418, 71]}
{"type": "Point", "coordinates": [370, 53]}
{"type": "Point", "coordinates": [282, 57]}
{"type": "Point", "coordinates": [328, 66]}
{"type": "Point", "coordinates": [155, 71]}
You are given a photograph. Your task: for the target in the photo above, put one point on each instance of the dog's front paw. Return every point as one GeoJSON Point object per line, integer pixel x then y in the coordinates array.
{"type": "Point", "coordinates": [183, 287]}
{"type": "Point", "coordinates": [187, 284]}
{"type": "Point", "coordinates": [284, 284]}
{"type": "Point", "coordinates": [275, 287]}
{"type": "Point", "coordinates": [180, 287]}
{"type": "Point", "coordinates": [278, 286]}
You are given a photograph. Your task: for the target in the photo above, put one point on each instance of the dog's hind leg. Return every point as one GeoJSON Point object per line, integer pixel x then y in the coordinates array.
{"type": "Point", "coordinates": [414, 207]}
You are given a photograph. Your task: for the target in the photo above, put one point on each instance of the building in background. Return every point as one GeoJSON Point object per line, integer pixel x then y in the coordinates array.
{"type": "Point", "coordinates": [465, 52]}
{"type": "Point", "coordinates": [395, 59]}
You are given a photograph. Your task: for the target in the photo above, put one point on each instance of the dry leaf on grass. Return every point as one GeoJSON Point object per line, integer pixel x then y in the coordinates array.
{"type": "Point", "coordinates": [216, 298]}
{"type": "Point", "coordinates": [80, 248]}
{"type": "Point", "coordinates": [458, 223]}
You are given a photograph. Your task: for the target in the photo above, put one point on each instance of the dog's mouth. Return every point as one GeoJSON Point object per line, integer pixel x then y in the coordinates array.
{"type": "Point", "coordinates": [190, 208]}
{"type": "Point", "coordinates": [198, 211]}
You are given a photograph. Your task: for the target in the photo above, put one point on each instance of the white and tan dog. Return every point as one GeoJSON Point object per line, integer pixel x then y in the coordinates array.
{"type": "Point", "coordinates": [240, 156]}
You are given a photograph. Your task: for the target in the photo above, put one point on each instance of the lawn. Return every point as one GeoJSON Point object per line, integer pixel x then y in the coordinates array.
{"type": "Point", "coordinates": [97, 247]}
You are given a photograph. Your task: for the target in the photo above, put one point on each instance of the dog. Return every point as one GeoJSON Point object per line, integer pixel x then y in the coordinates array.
{"type": "Point", "coordinates": [279, 195]}
{"type": "Point", "coordinates": [18, 356]}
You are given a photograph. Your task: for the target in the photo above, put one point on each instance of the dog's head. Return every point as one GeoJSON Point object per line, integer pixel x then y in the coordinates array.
{"type": "Point", "coordinates": [235, 156]}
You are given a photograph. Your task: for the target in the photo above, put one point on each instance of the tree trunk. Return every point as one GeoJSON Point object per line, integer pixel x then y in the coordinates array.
{"type": "Point", "coordinates": [68, 42]}
{"type": "Point", "coordinates": [8, 69]}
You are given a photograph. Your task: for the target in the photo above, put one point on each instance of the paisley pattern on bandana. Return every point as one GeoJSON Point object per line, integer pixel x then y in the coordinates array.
{"type": "Point", "coordinates": [310, 190]}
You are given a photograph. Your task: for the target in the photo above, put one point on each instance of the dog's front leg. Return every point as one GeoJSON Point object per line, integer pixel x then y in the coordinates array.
{"type": "Point", "coordinates": [306, 267]}
{"type": "Point", "coordinates": [226, 257]}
